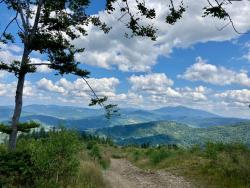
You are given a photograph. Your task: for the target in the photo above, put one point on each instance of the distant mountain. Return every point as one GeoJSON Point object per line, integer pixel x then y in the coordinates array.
{"type": "Point", "coordinates": [5, 113]}
{"type": "Point", "coordinates": [63, 112]}
{"type": "Point", "coordinates": [181, 111]}
{"type": "Point", "coordinates": [85, 118]}
{"type": "Point", "coordinates": [172, 132]}
{"type": "Point", "coordinates": [79, 124]}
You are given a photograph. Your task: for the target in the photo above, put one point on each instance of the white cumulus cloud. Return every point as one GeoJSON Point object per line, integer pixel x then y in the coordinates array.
{"type": "Point", "coordinates": [138, 54]}
{"type": "Point", "coordinates": [218, 75]}
{"type": "Point", "coordinates": [152, 83]}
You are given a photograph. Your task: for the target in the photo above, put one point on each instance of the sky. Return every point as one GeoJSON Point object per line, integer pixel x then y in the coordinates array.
{"type": "Point", "coordinates": [191, 63]}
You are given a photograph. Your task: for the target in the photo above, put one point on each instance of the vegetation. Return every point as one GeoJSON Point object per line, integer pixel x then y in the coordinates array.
{"type": "Point", "coordinates": [170, 132]}
{"type": "Point", "coordinates": [54, 159]}
{"type": "Point", "coordinates": [65, 158]}
{"type": "Point", "coordinates": [50, 28]}
{"type": "Point", "coordinates": [214, 165]}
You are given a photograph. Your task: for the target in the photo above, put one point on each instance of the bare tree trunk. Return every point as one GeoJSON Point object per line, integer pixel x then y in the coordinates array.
{"type": "Point", "coordinates": [17, 112]}
{"type": "Point", "coordinates": [18, 103]}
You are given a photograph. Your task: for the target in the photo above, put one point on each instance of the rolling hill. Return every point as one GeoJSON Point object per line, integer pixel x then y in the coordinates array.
{"type": "Point", "coordinates": [86, 118]}
{"type": "Point", "coordinates": [169, 132]}
{"type": "Point", "coordinates": [179, 111]}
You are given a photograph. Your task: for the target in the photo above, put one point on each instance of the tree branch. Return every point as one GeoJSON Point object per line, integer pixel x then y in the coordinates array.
{"type": "Point", "coordinates": [27, 12]}
{"type": "Point", "coordinates": [38, 13]}
{"type": "Point", "coordinates": [39, 64]}
{"type": "Point", "coordinates": [92, 90]}
{"type": "Point", "coordinates": [13, 19]}
{"type": "Point", "coordinates": [20, 10]}
{"type": "Point", "coordinates": [226, 15]}
{"type": "Point", "coordinates": [18, 25]}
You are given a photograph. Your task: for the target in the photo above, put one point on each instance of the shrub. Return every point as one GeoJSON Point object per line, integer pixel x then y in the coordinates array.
{"type": "Point", "coordinates": [212, 149]}
{"type": "Point", "coordinates": [158, 155]}
{"type": "Point", "coordinates": [136, 155]}
{"type": "Point", "coordinates": [95, 152]}
{"type": "Point", "coordinates": [16, 169]}
{"type": "Point", "coordinates": [56, 156]}
{"type": "Point", "coordinates": [49, 162]}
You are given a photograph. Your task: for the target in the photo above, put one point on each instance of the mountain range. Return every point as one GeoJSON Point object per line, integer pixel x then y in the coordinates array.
{"type": "Point", "coordinates": [86, 118]}
{"type": "Point", "coordinates": [169, 125]}
{"type": "Point", "coordinates": [171, 132]}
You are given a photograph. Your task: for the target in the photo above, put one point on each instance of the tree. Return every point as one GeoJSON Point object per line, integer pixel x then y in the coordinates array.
{"type": "Point", "coordinates": [49, 26]}
{"type": "Point", "coordinates": [48, 29]}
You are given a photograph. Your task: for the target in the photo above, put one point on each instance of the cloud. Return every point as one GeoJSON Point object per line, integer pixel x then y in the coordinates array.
{"type": "Point", "coordinates": [8, 57]}
{"type": "Point", "coordinates": [41, 68]}
{"type": "Point", "coordinates": [156, 90]}
{"type": "Point", "coordinates": [79, 88]}
{"type": "Point", "coordinates": [9, 89]}
{"type": "Point", "coordinates": [10, 47]}
{"type": "Point", "coordinates": [48, 85]}
{"type": "Point", "coordinates": [151, 83]}
{"type": "Point", "coordinates": [238, 96]}
{"type": "Point", "coordinates": [217, 75]}
{"type": "Point", "coordinates": [138, 54]}
{"type": "Point", "coordinates": [9, 53]}
{"type": "Point", "coordinates": [247, 54]}
{"type": "Point", "coordinates": [2, 74]}
{"type": "Point", "coordinates": [196, 94]}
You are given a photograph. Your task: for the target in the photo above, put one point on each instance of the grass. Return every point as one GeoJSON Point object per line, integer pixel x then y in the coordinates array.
{"type": "Point", "coordinates": [215, 165]}
{"type": "Point", "coordinates": [57, 159]}
{"type": "Point", "coordinates": [62, 158]}
{"type": "Point", "coordinates": [89, 174]}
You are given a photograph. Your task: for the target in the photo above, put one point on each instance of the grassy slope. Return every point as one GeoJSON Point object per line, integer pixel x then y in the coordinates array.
{"type": "Point", "coordinates": [217, 165]}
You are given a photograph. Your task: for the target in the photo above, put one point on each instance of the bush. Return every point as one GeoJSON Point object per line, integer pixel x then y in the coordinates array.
{"type": "Point", "coordinates": [158, 155]}
{"type": "Point", "coordinates": [136, 155]}
{"type": "Point", "coordinates": [100, 156]}
{"type": "Point", "coordinates": [95, 152]}
{"type": "Point", "coordinates": [49, 162]}
{"type": "Point", "coordinates": [16, 168]}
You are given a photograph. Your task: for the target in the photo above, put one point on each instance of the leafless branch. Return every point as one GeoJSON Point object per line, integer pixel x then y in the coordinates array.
{"type": "Point", "coordinates": [92, 90]}
{"type": "Point", "coordinates": [8, 25]}
{"type": "Point", "coordinates": [18, 25]}
{"type": "Point", "coordinates": [231, 22]}
{"type": "Point", "coordinates": [223, 27]}
{"type": "Point", "coordinates": [119, 19]}
{"type": "Point", "coordinates": [234, 28]}
{"type": "Point", "coordinates": [39, 64]}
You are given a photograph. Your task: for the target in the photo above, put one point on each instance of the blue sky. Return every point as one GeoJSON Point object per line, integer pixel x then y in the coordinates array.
{"type": "Point", "coordinates": [191, 64]}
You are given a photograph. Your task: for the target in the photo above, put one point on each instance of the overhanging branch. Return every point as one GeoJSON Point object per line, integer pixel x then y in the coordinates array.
{"type": "Point", "coordinates": [8, 25]}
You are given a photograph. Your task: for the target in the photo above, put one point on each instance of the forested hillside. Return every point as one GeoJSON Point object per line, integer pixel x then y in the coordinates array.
{"type": "Point", "coordinates": [176, 133]}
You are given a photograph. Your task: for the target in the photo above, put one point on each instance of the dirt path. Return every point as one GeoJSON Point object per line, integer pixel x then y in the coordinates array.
{"type": "Point", "coordinates": [122, 174]}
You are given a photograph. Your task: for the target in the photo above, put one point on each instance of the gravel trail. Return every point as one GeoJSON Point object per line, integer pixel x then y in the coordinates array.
{"type": "Point", "coordinates": [122, 174]}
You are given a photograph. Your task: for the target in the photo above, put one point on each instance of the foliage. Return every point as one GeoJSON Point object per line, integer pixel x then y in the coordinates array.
{"type": "Point", "coordinates": [54, 159]}
{"type": "Point", "coordinates": [170, 132]}
{"type": "Point", "coordinates": [22, 127]}
{"type": "Point", "coordinates": [46, 162]}
{"type": "Point", "coordinates": [213, 165]}
{"type": "Point", "coordinates": [92, 139]}
{"type": "Point", "coordinates": [16, 168]}
{"type": "Point", "coordinates": [157, 156]}
{"type": "Point", "coordinates": [90, 176]}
